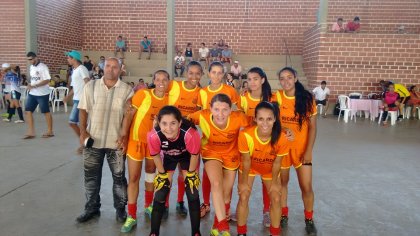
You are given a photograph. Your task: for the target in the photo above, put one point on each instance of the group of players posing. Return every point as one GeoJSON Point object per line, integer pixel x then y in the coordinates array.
{"type": "Point", "coordinates": [266, 136]}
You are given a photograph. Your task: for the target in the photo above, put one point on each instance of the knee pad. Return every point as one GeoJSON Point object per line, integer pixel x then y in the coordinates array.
{"type": "Point", "coordinates": [160, 195]}
{"type": "Point", "coordinates": [149, 177]}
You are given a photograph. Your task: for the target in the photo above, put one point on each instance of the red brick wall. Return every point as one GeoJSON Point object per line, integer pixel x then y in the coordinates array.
{"type": "Point", "coordinates": [310, 54]}
{"type": "Point", "coordinates": [12, 33]}
{"type": "Point", "coordinates": [249, 27]}
{"type": "Point", "coordinates": [357, 62]}
{"type": "Point", "coordinates": [59, 30]}
{"type": "Point", "coordinates": [378, 16]}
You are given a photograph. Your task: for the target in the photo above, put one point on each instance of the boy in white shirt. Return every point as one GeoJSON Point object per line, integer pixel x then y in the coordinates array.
{"type": "Point", "coordinates": [203, 52]}
{"type": "Point", "coordinates": [321, 96]}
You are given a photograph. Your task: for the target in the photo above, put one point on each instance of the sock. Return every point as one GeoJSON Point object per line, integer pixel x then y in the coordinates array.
{"type": "Point", "coordinates": [19, 110]}
{"type": "Point", "coordinates": [11, 112]}
{"type": "Point", "coordinates": [223, 225]}
{"type": "Point", "coordinates": [309, 215]}
{"type": "Point", "coordinates": [266, 200]}
{"type": "Point", "coordinates": [157, 213]}
{"type": "Point", "coordinates": [181, 188]}
{"type": "Point", "coordinates": [275, 231]}
{"type": "Point", "coordinates": [132, 210]}
{"type": "Point", "coordinates": [194, 209]}
{"type": "Point", "coordinates": [215, 222]}
{"type": "Point", "coordinates": [284, 211]}
{"type": "Point", "coordinates": [167, 200]}
{"type": "Point", "coordinates": [227, 208]}
{"type": "Point", "coordinates": [206, 188]}
{"type": "Point", "coordinates": [241, 229]}
{"type": "Point", "coordinates": [148, 198]}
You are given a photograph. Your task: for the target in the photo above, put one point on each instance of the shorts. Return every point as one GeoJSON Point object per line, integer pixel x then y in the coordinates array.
{"type": "Point", "coordinates": [323, 102]}
{"type": "Point", "coordinates": [145, 49]}
{"type": "Point", "coordinates": [15, 95]}
{"type": "Point", "coordinates": [406, 100]}
{"type": "Point", "coordinates": [74, 114]}
{"type": "Point", "coordinates": [229, 161]}
{"type": "Point", "coordinates": [170, 164]}
{"type": "Point", "coordinates": [122, 49]}
{"type": "Point", "coordinates": [33, 101]}
{"type": "Point", "coordinates": [264, 176]}
{"type": "Point", "coordinates": [137, 151]}
{"type": "Point", "coordinates": [294, 158]}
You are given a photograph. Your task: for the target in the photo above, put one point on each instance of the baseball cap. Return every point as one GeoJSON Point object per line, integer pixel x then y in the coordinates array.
{"type": "Point", "coordinates": [75, 54]}
{"type": "Point", "coordinates": [236, 62]}
{"type": "Point", "coordinates": [5, 65]}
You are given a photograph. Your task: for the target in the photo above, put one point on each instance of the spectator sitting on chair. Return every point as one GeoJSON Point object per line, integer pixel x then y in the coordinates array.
{"type": "Point", "coordinates": [404, 97]}
{"type": "Point", "coordinates": [414, 99]}
{"type": "Point", "coordinates": [214, 53]}
{"type": "Point", "coordinates": [321, 94]}
{"type": "Point", "coordinates": [145, 46]}
{"type": "Point", "coordinates": [120, 46]}
{"type": "Point", "coordinates": [338, 27]}
{"type": "Point", "coordinates": [140, 85]}
{"type": "Point", "coordinates": [390, 100]}
{"type": "Point", "coordinates": [97, 73]}
{"type": "Point", "coordinates": [226, 55]}
{"type": "Point", "coordinates": [236, 70]}
{"type": "Point", "coordinates": [188, 53]}
{"type": "Point", "coordinates": [221, 46]}
{"type": "Point", "coordinates": [101, 63]}
{"type": "Point", "coordinates": [88, 64]}
{"type": "Point", "coordinates": [203, 52]}
{"type": "Point", "coordinates": [353, 26]}
{"type": "Point", "coordinates": [179, 64]}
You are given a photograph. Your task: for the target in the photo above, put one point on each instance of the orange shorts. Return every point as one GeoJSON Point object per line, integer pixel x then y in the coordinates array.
{"type": "Point", "coordinates": [264, 176]}
{"type": "Point", "coordinates": [137, 150]}
{"type": "Point", "coordinates": [229, 161]}
{"type": "Point", "coordinates": [294, 158]}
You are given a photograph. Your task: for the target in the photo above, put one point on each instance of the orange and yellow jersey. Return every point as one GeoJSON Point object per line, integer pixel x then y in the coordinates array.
{"type": "Point", "coordinates": [262, 153]}
{"type": "Point", "coordinates": [206, 94]}
{"type": "Point", "coordinates": [289, 120]}
{"type": "Point", "coordinates": [148, 106]}
{"type": "Point", "coordinates": [217, 142]}
{"type": "Point", "coordinates": [182, 98]}
{"type": "Point", "coordinates": [248, 104]}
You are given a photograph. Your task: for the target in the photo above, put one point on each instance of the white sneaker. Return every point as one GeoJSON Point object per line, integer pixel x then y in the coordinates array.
{"type": "Point", "coordinates": [6, 120]}
{"type": "Point", "coordinates": [19, 121]}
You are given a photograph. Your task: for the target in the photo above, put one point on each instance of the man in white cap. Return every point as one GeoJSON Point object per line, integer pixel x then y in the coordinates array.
{"type": "Point", "coordinates": [236, 70]}
{"type": "Point", "coordinates": [79, 78]}
{"type": "Point", "coordinates": [39, 93]}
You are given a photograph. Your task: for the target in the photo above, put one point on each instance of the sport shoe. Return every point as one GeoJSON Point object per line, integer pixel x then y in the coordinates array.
{"type": "Point", "coordinates": [6, 120]}
{"type": "Point", "coordinates": [19, 121]}
{"type": "Point", "coordinates": [121, 215]}
{"type": "Point", "coordinates": [204, 209]}
{"type": "Point", "coordinates": [181, 210]}
{"type": "Point", "coordinates": [283, 221]}
{"type": "Point", "coordinates": [165, 215]}
{"type": "Point", "coordinates": [215, 232]}
{"type": "Point", "coordinates": [148, 211]}
{"type": "Point", "coordinates": [130, 222]}
{"type": "Point", "coordinates": [87, 215]}
{"type": "Point", "coordinates": [266, 219]}
{"type": "Point", "coordinates": [310, 227]}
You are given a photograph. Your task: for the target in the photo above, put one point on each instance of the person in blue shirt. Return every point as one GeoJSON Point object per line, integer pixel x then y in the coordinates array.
{"type": "Point", "coordinates": [13, 82]}
{"type": "Point", "coordinates": [120, 46]}
{"type": "Point", "coordinates": [145, 46]}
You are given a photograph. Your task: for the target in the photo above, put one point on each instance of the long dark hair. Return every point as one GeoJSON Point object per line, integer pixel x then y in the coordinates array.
{"type": "Point", "coordinates": [303, 99]}
{"type": "Point", "coordinates": [171, 110]}
{"type": "Point", "coordinates": [265, 87]}
{"type": "Point", "coordinates": [274, 107]}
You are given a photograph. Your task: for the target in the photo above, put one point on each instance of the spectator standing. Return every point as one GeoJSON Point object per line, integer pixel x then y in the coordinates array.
{"type": "Point", "coordinates": [338, 27]}
{"type": "Point", "coordinates": [88, 64]}
{"type": "Point", "coordinates": [322, 94]}
{"type": "Point", "coordinates": [79, 78]}
{"type": "Point", "coordinates": [39, 93]}
{"type": "Point", "coordinates": [13, 81]}
{"type": "Point", "coordinates": [353, 26]}
{"type": "Point", "coordinates": [145, 46]}
{"type": "Point", "coordinates": [120, 46]}
{"type": "Point", "coordinates": [103, 104]}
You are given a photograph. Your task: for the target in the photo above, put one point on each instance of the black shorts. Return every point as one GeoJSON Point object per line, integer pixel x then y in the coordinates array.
{"type": "Point", "coordinates": [392, 105]}
{"type": "Point", "coordinates": [405, 101]}
{"type": "Point", "coordinates": [169, 164]}
{"type": "Point", "coordinates": [323, 102]}
{"type": "Point", "coordinates": [15, 95]}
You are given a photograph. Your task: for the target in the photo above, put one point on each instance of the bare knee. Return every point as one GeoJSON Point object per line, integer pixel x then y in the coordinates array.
{"type": "Point", "coordinates": [244, 198]}
{"type": "Point", "coordinates": [150, 166]}
{"type": "Point", "coordinates": [134, 178]}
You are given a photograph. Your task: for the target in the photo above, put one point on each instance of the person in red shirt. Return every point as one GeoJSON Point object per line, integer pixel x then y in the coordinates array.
{"type": "Point", "coordinates": [298, 113]}
{"type": "Point", "coordinates": [178, 141]}
{"type": "Point", "coordinates": [353, 26]}
{"type": "Point", "coordinates": [262, 147]}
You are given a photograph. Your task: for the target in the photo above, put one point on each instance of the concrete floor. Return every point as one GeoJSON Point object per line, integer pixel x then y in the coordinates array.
{"type": "Point", "coordinates": [366, 182]}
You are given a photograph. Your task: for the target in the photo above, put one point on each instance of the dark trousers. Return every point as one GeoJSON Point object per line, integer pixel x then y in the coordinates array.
{"type": "Point", "coordinates": [93, 162]}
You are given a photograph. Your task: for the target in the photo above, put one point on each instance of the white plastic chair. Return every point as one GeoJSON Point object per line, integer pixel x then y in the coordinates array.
{"type": "Point", "coordinates": [319, 108]}
{"type": "Point", "coordinates": [392, 114]}
{"type": "Point", "coordinates": [58, 96]}
{"type": "Point", "coordinates": [344, 102]}
{"type": "Point", "coordinates": [370, 95]}
{"type": "Point", "coordinates": [359, 95]}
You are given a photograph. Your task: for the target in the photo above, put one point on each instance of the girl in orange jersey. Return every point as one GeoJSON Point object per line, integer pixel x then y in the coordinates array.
{"type": "Point", "coordinates": [216, 73]}
{"type": "Point", "coordinates": [298, 113]}
{"type": "Point", "coordinates": [259, 89]}
{"type": "Point", "coordinates": [219, 150]}
{"type": "Point", "coordinates": [184, 96]}
{"type": "Point", "coordinates": [144, 106]}
{"type": "Point", "coordinates": [262, 147]}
